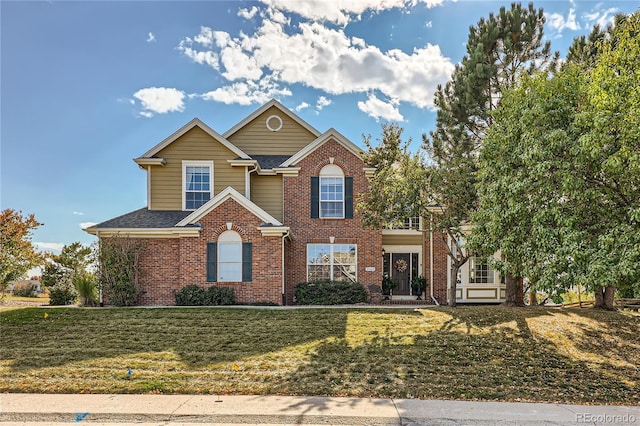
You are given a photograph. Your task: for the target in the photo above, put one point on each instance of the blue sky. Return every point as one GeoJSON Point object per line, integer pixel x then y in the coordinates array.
{"type": "Point", "coordinates": [88, 86]}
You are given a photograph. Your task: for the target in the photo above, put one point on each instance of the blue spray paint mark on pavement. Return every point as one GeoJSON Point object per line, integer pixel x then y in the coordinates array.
{"type": "Point", "coordinates": [81, 416]}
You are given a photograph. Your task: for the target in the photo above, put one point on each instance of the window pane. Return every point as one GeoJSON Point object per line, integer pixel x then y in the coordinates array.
{"type": "Point", "coordinates": [197, 178]}
{"type": "Point", "coordinates": [229, 261]}
{"type": "Point", "coordinates": [344, 273]}
{"type": "Point", "coordinates": [230, 252]}
{"type": "Point", "coordinates": [319, 272]}
{"type": "Point", "coordinates": [229, 271]}
{"type": "Point", "coordinates": [193, 200]}
{"type": "Point", "coordinates": [318, 254]}
{"type": "Point", "coordinates": [331, 209]}
{"type": "Point", "coordinates": [344, 253]}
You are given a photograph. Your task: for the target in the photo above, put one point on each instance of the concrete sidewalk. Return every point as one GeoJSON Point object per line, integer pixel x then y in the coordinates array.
{"type": "Point", "coordinates": [38, 409]}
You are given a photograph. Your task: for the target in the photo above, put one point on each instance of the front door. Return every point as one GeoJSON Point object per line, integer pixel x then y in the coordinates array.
{"type": "Point", "coordinates": [400, 272]}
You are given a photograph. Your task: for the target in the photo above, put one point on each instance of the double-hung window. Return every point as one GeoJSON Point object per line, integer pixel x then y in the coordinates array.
{"type": "Point", "coordinates": [331, 197]}
{"type": "Point", "coordinates": [337, 262]}
{"type": "Point", "coordinates": [197, 183]}
{"type": "Point", "coordinates": [332, 194]}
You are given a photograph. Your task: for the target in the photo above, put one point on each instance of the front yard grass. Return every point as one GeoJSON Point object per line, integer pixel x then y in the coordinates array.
{"type": "Point", "coordinates": [473, 353]}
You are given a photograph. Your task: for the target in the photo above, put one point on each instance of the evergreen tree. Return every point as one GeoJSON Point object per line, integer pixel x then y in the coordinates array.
{"type": "Point", "coordinates": [500, 50]}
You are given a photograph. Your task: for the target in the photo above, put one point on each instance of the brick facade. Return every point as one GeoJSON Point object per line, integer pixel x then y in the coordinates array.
{"type": "Point", "coordinates": [305, 230]}
{"type": "Point", "coordinates": [168, 264]}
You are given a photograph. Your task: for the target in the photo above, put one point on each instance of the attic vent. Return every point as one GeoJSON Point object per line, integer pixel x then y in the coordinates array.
{"type": "Point", "coordinates": [274, 123]}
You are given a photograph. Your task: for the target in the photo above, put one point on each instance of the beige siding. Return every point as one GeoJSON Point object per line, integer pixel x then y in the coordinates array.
{"type": "Point", "coordinates": [166, 181]}
{"type": "Point", "coordinates": [402, 240]}
{"type": "Point", "coordinates": [255, 139]}
{"type": "Point", "coordinates": [266, 192]}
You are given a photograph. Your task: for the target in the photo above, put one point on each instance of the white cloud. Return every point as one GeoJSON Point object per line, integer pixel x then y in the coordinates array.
{"type": "Point", "coordinates": [342, 11]}
{"type": "Point", "coordinates": [429, 24]}
{"type": "Point", "coordinates": [248, 14]}
{"type": "Point", "coordinates": [321, 58]}
{"type": "Point", "coordinates": [48, 246]}
{"type": "Point", "coordinates": [247, 92]}
{"type": "Point", "coordinates": [603, 18]}
{"type": "Point", "coordinates": [302, 106]}
{"type": "Point", "coordinates": [151, 38]}
{"type": "Point", "coordinates": [207, 57]}
{"type": "Point", "coordinates": [85, 225]}
{"type": "Point", "coordinates": [377, 109]}
{"type": "Point", "coordinates": [78, 213]}
{"type": "Point", "coordinates": [559, 23]}
{"type": "Point", "coordinates": [322, 102]}
{"type": "Point", "coordinates": [160, 100]}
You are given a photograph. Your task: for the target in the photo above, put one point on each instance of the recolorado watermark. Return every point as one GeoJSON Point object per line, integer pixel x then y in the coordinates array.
{"type": "Point", "coordinates": [614, 419]}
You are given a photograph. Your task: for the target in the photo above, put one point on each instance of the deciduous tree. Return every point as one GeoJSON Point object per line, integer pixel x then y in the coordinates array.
{"type": "Point", "coordinates": [559, 173]}
{"type": "Point", "coordinates": [500, 50]}
{"type": "Point", "coordinates": [17, 254]}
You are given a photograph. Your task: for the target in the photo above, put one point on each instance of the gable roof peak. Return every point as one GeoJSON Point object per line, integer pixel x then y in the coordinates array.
{"type": "Point", "coordinates": [225, 194]}
{"type": "Point", "coordinates": [331, 134]}
{"type": "Point", "coordinates": [184, 129]}
{"type": "Point", "coordinates": [265, 107]}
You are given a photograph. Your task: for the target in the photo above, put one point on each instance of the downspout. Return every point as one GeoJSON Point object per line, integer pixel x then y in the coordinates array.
{"type": "Point", "coordinates": [431, 259]}
{"type": "Point", "coordinates": [284, 296]}
{"type": "Point", "coordinates": [100, 299]}
{"type": "Point", "coordinates": [247, 184]}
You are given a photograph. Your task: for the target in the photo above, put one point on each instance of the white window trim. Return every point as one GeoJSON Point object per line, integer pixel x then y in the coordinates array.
{"type": "Point", "coordinates": [194, 163]}
{"type": "Point", "coordinates": [320, 200]}
{"type": "Point", "coordinates": [331, 257]}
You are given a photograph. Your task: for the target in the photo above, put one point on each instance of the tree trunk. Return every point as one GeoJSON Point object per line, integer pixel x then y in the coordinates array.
{"type": "Point", "coordinates": [514, 291]}
{"type": "Point", "coordinates": [454, 284]}
{"type": "Point", "coordinates": [532, 297]}
{"type": "Point", "coordinates": [604, 298]}
{"type": "Point", "coordinates": [599, 302]}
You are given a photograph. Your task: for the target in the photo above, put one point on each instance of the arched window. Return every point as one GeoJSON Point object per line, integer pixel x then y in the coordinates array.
{"type": "Point", "coordinates": [331, 192]}
{"type": "Point", "coordinates": [229, 256]}
{"type": "Point", "coordinates": [229, 259]}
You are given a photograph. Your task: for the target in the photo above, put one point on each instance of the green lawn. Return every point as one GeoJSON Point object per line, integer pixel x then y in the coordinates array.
{"type": "Point", "coordinates": [473, 353]}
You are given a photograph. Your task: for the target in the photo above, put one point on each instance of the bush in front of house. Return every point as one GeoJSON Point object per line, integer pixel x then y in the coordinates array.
{"type": "Point", "coordinates": [25, 289]}
{"type": "Point", "coordinates": [63, 292]}
{"type": "Point", "coordinates": [193, 295]}
{"type": "Point", "coordinates": [330, 293]}
{"type": "Point", "coordinates": [119, 269]}
{"type": "Point", "coordinates": [87, 291]}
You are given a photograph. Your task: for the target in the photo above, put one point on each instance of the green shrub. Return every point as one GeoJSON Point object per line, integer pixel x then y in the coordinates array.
{"type": "Point", "coordinates": [87, 291]}
{"type": "Point", "coordinates": [418, 285]}
{"type": "Point", "coordinates": [118, 270]}
{"type": "Point", "coordinates": [330, 293]}
{"type": "Point", "coordinates": [388, 284]}
{"type": "Point", "coordinates": [63, 292]}
{"type": "Point", "coordinates": [193, 295]}
{"type": "Point", "coordinates": [25, 289]}
{"type": "Point", "coordinates": [218, 296]}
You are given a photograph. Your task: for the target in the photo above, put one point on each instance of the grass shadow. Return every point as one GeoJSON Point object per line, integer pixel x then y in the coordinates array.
{"type": "Point", "coordinates": [471, 354]}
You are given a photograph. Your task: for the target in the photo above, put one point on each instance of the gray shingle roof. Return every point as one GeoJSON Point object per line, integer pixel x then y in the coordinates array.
{"type": "Point", "coordinates": [270, 161]}
{"type": "Point", "coordinates": [144, 218]}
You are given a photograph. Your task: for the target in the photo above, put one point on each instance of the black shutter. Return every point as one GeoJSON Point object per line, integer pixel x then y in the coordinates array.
{"type": "Point", "coordinates": [315, 197]}
{"type": "Point", "coordinates": [246, 262]}
{"type": "Point", "coordinates": [348, 197]}
{"type": "Point", "coordinates": [212, 262]}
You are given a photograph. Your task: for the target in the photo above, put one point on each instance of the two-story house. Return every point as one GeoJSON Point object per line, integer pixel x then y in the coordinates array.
{"type": "Point", "coordinates": [264, 206]}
